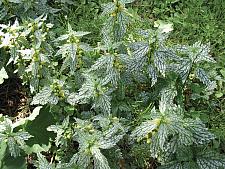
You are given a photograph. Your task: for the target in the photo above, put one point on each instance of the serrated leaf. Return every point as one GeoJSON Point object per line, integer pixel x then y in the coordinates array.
{"type": "Point", "coordinates": [68, 51]}
{"type": "Point", "coordinates": [102, 63]}
{"type": "Point", "coordinates": [80, 33]}
{"type": "Point", "coordinates": [200, 133]}
{"type": "Point", "coordinates": [160, 62]}
{"type": "Point", "coordinates": [81, 159]}
{"type": "Point", "coordinates": [126, 1]}
{"type": "Point", "coordinates": [144, 129]}
{"type": "Point", "coordinates": [152, 74]}
{"type": "Point", "coordinates": [13, 147]}
{"type": "Point", "coordinates": [100, 161]}
{"type": "Point", "coordinates": [167, 97]}
{"type": "Point", "coordinates": [120, 28]}
{"type": "Point", "coordinates": [183, 69]}
{"type": "Point", "coordinates": [108, 8]}
{"type": "Point", "coordinates": [162, 134]}
{"type": "Point", "coordinates": [203, 77]}
{"type": "Point", "coordinates": [103, 102]}
{"type": "Point", "coordinates": [43, 163]}
{"type": "Point", "coordinates": [86, 91]}
{"type": "Point", "coordinates": [42, 97]}
{"type": "Point", "coordinates": [200, 52]}
{"type": "Point", "coordinates": [140, 49]}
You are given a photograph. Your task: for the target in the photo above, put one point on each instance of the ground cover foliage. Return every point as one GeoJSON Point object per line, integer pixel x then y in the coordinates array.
{"type": "Point", "coordinates": [114, 84]}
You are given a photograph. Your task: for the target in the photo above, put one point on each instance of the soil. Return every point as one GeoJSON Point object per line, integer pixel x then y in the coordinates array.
{"type": "Point", "coordinates": [13, 99]}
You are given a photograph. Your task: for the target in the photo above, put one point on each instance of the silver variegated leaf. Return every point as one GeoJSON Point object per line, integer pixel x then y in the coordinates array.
{"type": "Point", "coordinates": [142, 130]}
{"type": "Point", "coordinates": [120, 28]}
{"type": "Point", "coordinates": [126, 1]}
{"type": "Point", "coordinates": [43, 163]}
{"type": "Point", "coordinates": [86, 91]}
{"type": "Point", "coordinates": [100, 161]}
{"type": "Point", "coordinates": [210, 160]}
{"type": "Point", "coordinates": [203, 77]}
{"type": "Point", "coordinates": [167, 97]}
{"type": "Point", "coordinates": [106, 30]}
{"type": "Point", "coordinates": [68, 51]}
{"type": "Point", "coordinates": [81, 159]}
{"type": "Point", "coordinates": [111, 137]}
{"type": "Point", "coordinates": [112, 75]}
{"type": "Point", "coordinates": [160, 62]}
{"type": "Point", "coordinates": [139, 49]}
{"type": "Point", "coordinates": [103, 102]}
{"type": "Point", "coordinates": [152, 74]}
{"type": "Point", "coordinates": [200, 133]}
{"type": "Point", "coordinates": [102, 62]}
{"type": "Point", "coordinates": [21, 136]}
{"type": "Point", "coordinates": [13, 147]}
{"type": "Point", "coordinates": [108, 8]}
{"type": "Point", "coordinates": [154, 146]}
{"type": "Point", "coordinates": [183, 69]}
{"type": "Point", "coordinates": [42, 97]}
{"type": "Point", "coordinates": [200, 52]}
{"type": "Point", "coordinates": [210, 163]}
{"type": "Point", "coordinates": [162, 134]}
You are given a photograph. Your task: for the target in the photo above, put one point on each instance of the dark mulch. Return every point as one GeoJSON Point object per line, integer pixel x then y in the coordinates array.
{"type": "Point", "coordinates": [13, 99]}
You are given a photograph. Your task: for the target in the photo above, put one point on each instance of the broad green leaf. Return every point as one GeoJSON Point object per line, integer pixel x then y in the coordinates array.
{"type": "Point", "coordinates": [33, 115]}
{"type": "Point", "coordinates": [37, 128]}
{"type": "Point", "coordinates": [36, 148]}
{"type": "Point", "coordinates": [3, 148]}
{"type": "Point", "coordinates": [14, 163]}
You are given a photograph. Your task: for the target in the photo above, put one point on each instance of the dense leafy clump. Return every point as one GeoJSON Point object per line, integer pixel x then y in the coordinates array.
{"type": "Point", "coordinates": [115, 99]}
